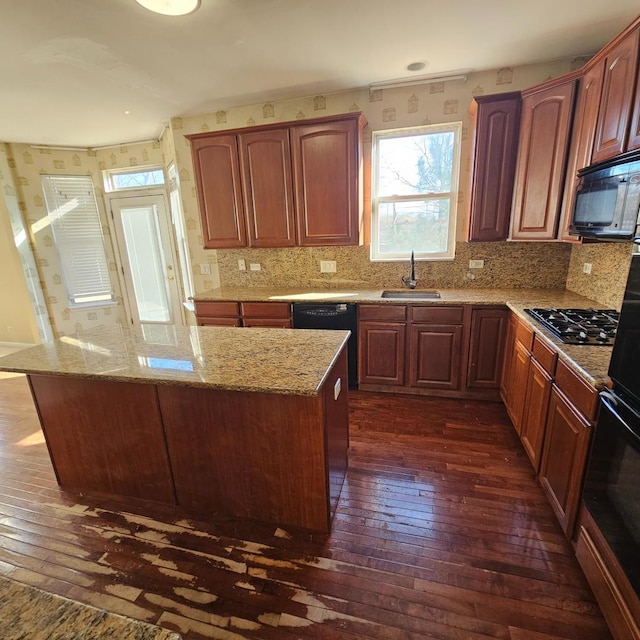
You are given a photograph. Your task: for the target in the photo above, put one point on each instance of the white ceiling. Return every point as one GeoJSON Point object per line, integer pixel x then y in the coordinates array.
{"type": "Point", "coordinates": [69, 69]}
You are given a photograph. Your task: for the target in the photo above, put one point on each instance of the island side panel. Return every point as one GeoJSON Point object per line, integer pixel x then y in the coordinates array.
{"type": "Point", "coordinates": [253, 455]}
{"type": "Point", "coordinates": [337, 429]}
{"type": "Point", "coordinates": [104, 436]}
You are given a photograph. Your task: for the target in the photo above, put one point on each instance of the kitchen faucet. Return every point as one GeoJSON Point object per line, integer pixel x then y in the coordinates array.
{"type": "Point", "coordinates": [411, 281]}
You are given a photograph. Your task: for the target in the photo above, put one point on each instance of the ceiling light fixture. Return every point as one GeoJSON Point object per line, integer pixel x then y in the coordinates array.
{"type": "Point", "coordinates": [411, 82]}
{"type": "Point", "coordinates": [170, 7]}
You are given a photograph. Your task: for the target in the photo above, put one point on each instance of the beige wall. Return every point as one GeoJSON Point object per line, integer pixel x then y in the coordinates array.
{"type": "Point", "coordinates": [384, 109]}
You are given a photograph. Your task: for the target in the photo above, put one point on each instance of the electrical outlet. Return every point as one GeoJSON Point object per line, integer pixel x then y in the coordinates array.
{"type": "Point", "coordinates": [242, 265]}
{"type": "Point", "coordinates": [586, 268]}
{"type": "Point", "coordinates": [476, 264]}
{"type": "Point", "coordinates": [205, 269]}
{"type": "Point", "coordinates": [327, 266]}
{"type": "Point", "coordinates": [255, 266]}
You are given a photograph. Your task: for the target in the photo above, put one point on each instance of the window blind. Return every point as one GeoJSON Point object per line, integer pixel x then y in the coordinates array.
{"type": "Point", "coordinates": [77, 231]}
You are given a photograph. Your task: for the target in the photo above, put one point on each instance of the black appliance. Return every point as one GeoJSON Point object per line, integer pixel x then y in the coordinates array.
{"type": "Point", "coordinates": [579, 326]}
{"type": "Point", "coordinates": [344, 316]}
{"type": "Point", "coordinates": [612, 483]}
{"type": "Point", "coordinates": [608, 199]}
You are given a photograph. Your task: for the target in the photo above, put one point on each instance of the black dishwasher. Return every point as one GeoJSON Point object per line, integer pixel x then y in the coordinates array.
{"type": "Point", "coordinates": [342, 316]}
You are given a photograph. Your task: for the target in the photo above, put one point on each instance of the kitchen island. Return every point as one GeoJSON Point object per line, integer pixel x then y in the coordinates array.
{"type": "Point", "coordinates": [243, 423]}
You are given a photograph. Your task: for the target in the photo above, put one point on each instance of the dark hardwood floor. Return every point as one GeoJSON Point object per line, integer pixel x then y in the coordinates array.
{"type": "Point", "coordinates": [441, 532]}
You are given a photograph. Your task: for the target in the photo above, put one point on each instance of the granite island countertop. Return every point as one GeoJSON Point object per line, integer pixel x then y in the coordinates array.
{"type": "Point", "coordinates": [282, 361]}
{"type": "Point", "coordinates": [591, 362]}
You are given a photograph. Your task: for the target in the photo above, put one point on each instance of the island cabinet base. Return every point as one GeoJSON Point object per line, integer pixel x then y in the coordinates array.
{"type": "Point", "coordinates": [271, 457]}
{"type": "Point", "coordinates": [104, 436]}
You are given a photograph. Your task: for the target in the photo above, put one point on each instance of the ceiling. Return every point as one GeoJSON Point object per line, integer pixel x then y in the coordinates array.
{"type": "Point", "coordinates": [98, 72]}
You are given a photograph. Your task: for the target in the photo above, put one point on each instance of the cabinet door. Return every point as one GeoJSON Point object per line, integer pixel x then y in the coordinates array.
{"type": "Point", "coordinates": [435, 356]}
{"type": "Point", "coordinates": [616, 101]}
{"type": "Point", "coordinates": [265, 162]}
{"type": "Point", "coordinates": [381, 348]}
{"type": "Point", "coordinates": [534, 418]}
{"type": "Point", "coordinates": [497, 119]}
{"type": "Point", "coordinates": [217, 175]}
{"type": "Point", "coordinates": [634, 130]}
{"type": "Point", "coordinates": [486, 348]}
{"type": "Point", "coordinates": [564, 458]}
{"type": "Point", "coordinates": [519, 372]}
{"type": "Point", "coordinates": [584, 131]}
{"type": "Point", "coordinates": [326, 174]}
{"type": "Point", "coordinates": [542, 161]}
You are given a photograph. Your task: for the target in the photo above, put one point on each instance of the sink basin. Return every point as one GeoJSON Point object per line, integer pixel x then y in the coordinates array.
{"type": "Point", "coordinates": [411, 293]}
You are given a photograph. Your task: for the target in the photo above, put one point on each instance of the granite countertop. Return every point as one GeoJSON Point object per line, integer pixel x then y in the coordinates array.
{"type": "Point", "coordinates": [27, 612]}
{"type": "Point", "coordinates": [283, 361]}
{"type": "Point", "coordinates": [591, 362]}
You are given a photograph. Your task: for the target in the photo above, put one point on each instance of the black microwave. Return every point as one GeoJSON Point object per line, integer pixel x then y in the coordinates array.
{"type": "Point", "coordinates": [608, 199]}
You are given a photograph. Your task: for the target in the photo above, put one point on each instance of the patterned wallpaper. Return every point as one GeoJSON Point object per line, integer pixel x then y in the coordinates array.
{"type": "Point", "coordinates": [28, 164]}
{"type": "Point", "coordinates": [384, 109]}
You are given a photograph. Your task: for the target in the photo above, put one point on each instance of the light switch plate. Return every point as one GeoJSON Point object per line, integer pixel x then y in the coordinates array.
{"type": "Point", "coordinates": [255, 266]}
{"type": "Point", "coordinates": [242, 265]}
{"type": "Point", "coordinates": [476, 264]}
{"type": "Point", "coordinates": [205, 269]}
{"type": "Point", "coordinates": [586, 268]}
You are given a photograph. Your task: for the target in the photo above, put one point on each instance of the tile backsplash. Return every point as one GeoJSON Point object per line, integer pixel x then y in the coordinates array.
{"type": "Point", "coordinates": [506, 264]}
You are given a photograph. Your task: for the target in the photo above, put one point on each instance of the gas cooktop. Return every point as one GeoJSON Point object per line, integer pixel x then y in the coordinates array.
{"type": "Point", "coordinates": [579, 326]}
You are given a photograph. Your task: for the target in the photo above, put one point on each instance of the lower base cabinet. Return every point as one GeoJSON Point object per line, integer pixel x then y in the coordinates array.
{"type": "Point", "coordinates": [564, 458]}
{"type": "Point", "coordinates": [534, 417]}
{"type": "Point", "coordinates": [449, 350]}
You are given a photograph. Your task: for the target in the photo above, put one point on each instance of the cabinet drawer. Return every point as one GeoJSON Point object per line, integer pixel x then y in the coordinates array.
{"type": "Point", "coordinates": [383, 313]}
{"type": "Point", "coordinates": [524, 334]}
{"type": "Point", "coordinates": [217, 309]}
{"type": "Point", "coordinates": [580, 392]}
{"type": "Point", "coordinates": [545, 355]}
{"type": "Point", "coordinates": [279, 310]}
{"type": "Point", "coordinates": [437, 315]}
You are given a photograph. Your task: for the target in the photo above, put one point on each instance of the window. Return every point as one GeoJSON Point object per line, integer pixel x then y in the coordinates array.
{"type": "Point", "coordinates": [177, 217]}
{"type": "Point", "coordinates": [138, 178]}
{"type": "Point", "coordinates": [415, 188]}
{"type": "Point", "coordinates": [77, 231]}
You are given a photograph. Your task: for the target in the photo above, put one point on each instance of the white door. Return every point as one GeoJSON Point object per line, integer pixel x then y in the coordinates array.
{"type": "Point", "coordinates": [143, 236]}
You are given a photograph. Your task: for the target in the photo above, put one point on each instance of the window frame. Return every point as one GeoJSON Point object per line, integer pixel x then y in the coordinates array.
{"type": "Point", "coordinates": [452, 196]}
{"type": "Point", "coordinates": [64, 239]}
{"type": "Point", "coordinates": [111, 187]}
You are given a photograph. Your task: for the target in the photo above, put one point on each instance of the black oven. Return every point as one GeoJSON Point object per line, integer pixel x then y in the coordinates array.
{"type": "Point", "coordinates": [612, 483]}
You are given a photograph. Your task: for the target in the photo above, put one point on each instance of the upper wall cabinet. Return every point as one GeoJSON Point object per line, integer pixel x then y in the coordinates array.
{"type": "Point", "coordinates": [616, 111]}
{"type": "Point", "coordinates": [327, 161]}
{"type": "Point", "coordinates": [215, 162]}
{"type": "Point", "coordinates": [496, 119]}
{"type": "Point", "coordinates": [547, 112]}
{"type": "Point", "coordinates": [295, 183]}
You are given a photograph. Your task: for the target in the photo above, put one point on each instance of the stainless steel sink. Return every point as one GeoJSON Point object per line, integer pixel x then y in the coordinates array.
{"type": "Point", "coordinates": [411, 293]}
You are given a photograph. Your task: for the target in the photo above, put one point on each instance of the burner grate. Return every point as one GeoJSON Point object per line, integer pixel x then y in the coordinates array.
{"type": "Point", "coordinates": [579, 326]}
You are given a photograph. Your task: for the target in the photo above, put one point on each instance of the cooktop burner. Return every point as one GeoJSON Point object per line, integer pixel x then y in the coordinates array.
{"type": "Point", "coordinates": [579, 326]}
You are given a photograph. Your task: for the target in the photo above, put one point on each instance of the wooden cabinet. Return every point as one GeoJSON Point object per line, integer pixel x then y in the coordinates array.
{"type": "Point", "coordinates": [244, 314]}
{"type": "Point", "coordinates": [327, 163]}
{"type": "Point", "coordinates": [217, 177]}
{"type": "Point", "coordinates": [291, 184]}
{"type": "Point", "coordinates": [275, 315]}
{"type": "Point", "coordinates": [382, 344]}
{"type": "Point", "coordinates": [486, 347]}
{"type": "Point", "coordinates": [435, 356]}
{"type": "Point", "coordinates": [564, 458]}
{"type": "Point", "coordinates": [617, 99]}
{"type": "Point", "coordinates": [218, 314]}
{"type": "Point", "coordinates": [265, 163]}
{"type": "Point", "coordinates": [542, 159]}
{"type": "Point", "coordinates": [518, 386]}
{"type": "Point", "coordinates": [534, 416]}
{"type": "Point", "coordinates": [496, 120]}
{"type": "Point", "coordinates": [584, 128]}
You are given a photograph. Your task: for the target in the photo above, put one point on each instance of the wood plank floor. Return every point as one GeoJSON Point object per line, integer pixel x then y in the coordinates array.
{"type": "Point", "coordinates": [441, 532]}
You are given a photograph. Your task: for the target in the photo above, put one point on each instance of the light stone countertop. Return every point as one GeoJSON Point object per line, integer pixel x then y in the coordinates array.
{"type": "Point", "coordinates": [591, 362]}
{"type": "Point", "coordinates": [283, 361]}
